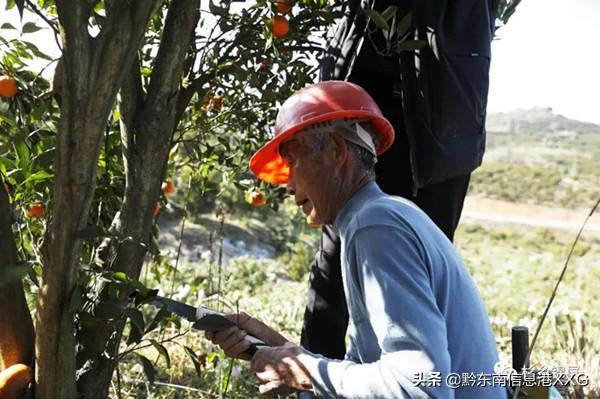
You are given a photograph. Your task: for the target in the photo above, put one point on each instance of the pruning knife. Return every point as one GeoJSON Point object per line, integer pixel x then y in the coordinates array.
{"type": "Point", "coordinates": [204, 319]}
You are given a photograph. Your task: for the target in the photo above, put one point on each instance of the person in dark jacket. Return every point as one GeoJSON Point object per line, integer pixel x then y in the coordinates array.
{"type": "Point", "coordinates": [436, 99]}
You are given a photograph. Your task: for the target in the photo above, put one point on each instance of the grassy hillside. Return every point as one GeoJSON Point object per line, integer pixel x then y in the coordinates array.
{"type": "Point", "coordinates": [538, 157]}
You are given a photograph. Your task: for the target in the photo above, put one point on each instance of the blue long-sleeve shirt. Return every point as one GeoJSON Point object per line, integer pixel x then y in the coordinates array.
{"type": "Point", "coordinates": [414, 309]}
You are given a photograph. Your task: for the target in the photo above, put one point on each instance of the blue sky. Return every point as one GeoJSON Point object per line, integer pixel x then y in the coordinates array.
{"type": "Point", "coordinates": [546, 56]}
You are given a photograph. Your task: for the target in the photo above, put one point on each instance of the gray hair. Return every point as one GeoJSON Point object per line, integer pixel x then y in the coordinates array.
{"type": "Point", "coordinates": [366, 161]}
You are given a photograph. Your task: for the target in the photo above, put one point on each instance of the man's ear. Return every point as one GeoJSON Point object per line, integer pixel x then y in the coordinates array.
{"type": "Point", "coordinates": [340, 148]}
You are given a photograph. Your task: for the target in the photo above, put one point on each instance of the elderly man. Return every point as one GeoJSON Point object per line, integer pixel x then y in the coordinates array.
{"type": "Point", "coordinates": [415, 314]}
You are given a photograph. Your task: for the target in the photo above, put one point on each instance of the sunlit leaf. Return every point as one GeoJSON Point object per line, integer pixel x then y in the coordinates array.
{"type": "Point", "coordinates": [30, 27]}
{"type": "Point", "coordinates": [162, 351]}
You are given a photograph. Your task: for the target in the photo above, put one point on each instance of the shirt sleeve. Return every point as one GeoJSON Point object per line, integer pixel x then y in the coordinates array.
{"type": "Point", "coordinates": [389, 293]}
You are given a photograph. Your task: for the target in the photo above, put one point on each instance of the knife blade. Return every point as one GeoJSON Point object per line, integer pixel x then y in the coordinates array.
{"type": "Point", "coordinates": [204, 319]}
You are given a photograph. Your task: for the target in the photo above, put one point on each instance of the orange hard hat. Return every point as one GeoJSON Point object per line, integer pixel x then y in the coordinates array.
{"type": "Point", "coordinates": [324, 101]}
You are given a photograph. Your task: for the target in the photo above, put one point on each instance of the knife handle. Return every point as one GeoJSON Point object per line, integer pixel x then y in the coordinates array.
{"type": "Point", "coordinates": [255, 345]}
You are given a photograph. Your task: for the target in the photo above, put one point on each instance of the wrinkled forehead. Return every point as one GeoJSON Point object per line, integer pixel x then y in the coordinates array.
{"type": "Point", "coordinates": [290, 146]}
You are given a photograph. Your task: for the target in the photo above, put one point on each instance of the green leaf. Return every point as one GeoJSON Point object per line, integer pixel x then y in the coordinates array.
{"type": "Point", "coordinates": [149, 369]}
{"type": "Point", "coordinates": [389, 12]}
{"type": "Point", "coordinates": [162, 351]}
{"type": "Point", "coordinates": [20, 6]}
{"type": "Point", "coordinates": [30, 27]}
{"type": "Point", "coordinates": [411, 45]}
{"type": "Point", "coordinates": [136, 317]}
{"type": "Point", "coordinates": [22, 151]}
{"type": "Point", "coordinates": [134, 336]}
{"type": "Point", "coordinates": [378, 19]}
{"type": "Point", "coordinates": [36, 51]}
{"type": "Point", "coordinates": [8, 163]}
{"type": "Point", "coordinates": [119, 276]}
{"type": "Point", "coordinates": [404, 25]}
{"type": "Point", "coordinates": [6, 25]}
{"type": "Point", "coordinates": [216, 10]}
{"type": "Point", "coordinates": [162, 314]}
{"type": "Point", "coordinates": [192, 355]}
{"type": "Point", "coordinates": [38, 176]}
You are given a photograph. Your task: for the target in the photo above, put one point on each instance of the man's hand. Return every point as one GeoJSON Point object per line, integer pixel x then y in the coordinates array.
{"type": "Point", "coordinates": [232, 340]}
{"type": "Point", "coordinates": [282, 369]}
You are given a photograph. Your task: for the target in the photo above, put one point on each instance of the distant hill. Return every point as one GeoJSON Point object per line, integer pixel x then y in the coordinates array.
{"type": "Point", "coordinates": [537, 156]}
{"type": "Point", "coordinates": [537, 120]}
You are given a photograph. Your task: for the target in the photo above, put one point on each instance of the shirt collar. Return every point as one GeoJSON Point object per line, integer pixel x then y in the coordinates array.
{"type": "Point", "coordinates": [366, 193]}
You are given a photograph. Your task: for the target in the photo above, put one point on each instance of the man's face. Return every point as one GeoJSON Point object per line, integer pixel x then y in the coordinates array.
{"type": "Point", "coordinates": [311, 181]}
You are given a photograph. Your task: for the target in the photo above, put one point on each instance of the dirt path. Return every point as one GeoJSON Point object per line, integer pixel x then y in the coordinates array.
{"type": "Point", "coordinates": [498, 211]}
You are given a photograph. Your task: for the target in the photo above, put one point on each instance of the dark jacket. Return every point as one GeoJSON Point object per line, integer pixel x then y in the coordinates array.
{"type": "Point", "coordinates": [439, 91]}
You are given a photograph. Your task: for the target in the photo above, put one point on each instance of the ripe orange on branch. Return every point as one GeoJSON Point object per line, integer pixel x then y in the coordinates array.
{"type": "Point", "coordinates": [216, 103]}
{"type": "Point", "coordinates": [14, 380]}
{"type": "Point", "coordinates": [8, 86]}
{"type": "Point", "coordinates": [168, 187]}
{"type": "Point", "coordinates": [283, 6]}
{"type": "Point", "coordinates": [281, 26]}
{"type": "Point", "coordinates": [36, 210]}
{"type": "Point", "coordinates": [256, 198]}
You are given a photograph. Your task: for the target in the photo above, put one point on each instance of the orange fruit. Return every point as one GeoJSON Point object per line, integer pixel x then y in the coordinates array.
{"type": "Point", "coordinates": [14, 380]}
{"type": "Point", "coordinates": [157, 208]}
{"type": "Point", "coordinates": [281, 26]}
{"type": "Point", "coordinates": [36, 210]}
{"type": "Point", "coordinates": [168, 187]}
{"type": "Point", "coordinates": [6, 188]}
{"type": "Point", "coordinates": [256, 199]}
{"type": "Point", "coordinates": [216, 103]}
{"type": "Point", "coordinates": [8, 86]}
{"type": "Point", "coordinates": [283, 7]}
{"type": "Point", "coordinates": [206, 101]}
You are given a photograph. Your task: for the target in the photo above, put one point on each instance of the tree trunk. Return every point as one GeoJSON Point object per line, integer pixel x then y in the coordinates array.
{"type": "Point", "coordinates": [147, 126]}
{"type": "Point", "coordinates": [93, 72]}
{"type": "Point", "coordinates": [16, 339]}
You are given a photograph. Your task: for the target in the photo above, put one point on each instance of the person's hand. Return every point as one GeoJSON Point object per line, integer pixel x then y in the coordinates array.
{"type": "Point", "coordinates": [232, 340]}
{"type": "Point", "coordinates": [281, 370]}
{"type": "Point", "coordinates": [257, 328]}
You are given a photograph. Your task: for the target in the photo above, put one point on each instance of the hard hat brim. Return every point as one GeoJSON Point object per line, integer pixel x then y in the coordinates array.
{"type": "Point", "coordinates": [269, 166]}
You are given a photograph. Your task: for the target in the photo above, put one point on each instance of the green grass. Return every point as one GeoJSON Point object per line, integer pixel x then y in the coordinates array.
{"type": "Point", "coordinates": [515, 269]}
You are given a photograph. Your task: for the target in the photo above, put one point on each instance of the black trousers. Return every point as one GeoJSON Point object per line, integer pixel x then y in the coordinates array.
{"type": "Point", "coordinates": [326, 314]}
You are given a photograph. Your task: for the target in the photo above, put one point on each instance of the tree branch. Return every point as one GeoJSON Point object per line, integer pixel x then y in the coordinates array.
{"type": "Point", "coordinates": [115, 48]}
{"type": "Point", "coordinates": [16, 339]}
{"type": "Point", "coordinates": [93, 72]}
{"type": "Point", "coordinates": [50, 23]}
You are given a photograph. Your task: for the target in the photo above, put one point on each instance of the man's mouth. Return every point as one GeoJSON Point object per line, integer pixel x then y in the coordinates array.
{"type": "Point", "coordinates": [305, 205]}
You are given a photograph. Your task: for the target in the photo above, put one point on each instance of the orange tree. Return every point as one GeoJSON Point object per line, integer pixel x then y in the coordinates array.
{"type": "Point", "coordinates": [137, 81]}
